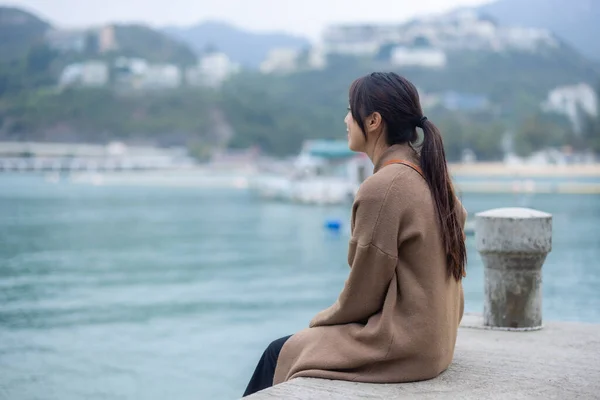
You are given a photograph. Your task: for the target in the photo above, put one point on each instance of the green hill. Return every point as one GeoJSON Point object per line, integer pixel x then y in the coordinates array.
{"type": "Point", "coordinates": [508, 79]}
{"type": "Point", "coordinates": [576, 21]}
{"type": "Point", "coordinates": [19, 30]}
{"type": "Point", "coordinates": [279, 112]}
{"type": "Point", "coordinates": [244, 47]}
{"type": "Point", "coordinates": [154, 46]}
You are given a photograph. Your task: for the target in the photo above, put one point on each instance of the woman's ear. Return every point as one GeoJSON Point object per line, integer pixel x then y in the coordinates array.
{"type": "Point", "coordinates": [374, 122]}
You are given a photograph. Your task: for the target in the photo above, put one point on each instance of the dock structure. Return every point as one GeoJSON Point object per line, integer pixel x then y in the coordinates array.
{"type": "Point", "coordinates": [70, 157]}
{"type": "Point", "coordinates": [507, 352]}
{"type": "Point", "coordinates": [560, 361]}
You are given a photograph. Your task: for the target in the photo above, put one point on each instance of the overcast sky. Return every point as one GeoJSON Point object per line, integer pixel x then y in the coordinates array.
{"type": "Point", "coordinates": [304, 17]}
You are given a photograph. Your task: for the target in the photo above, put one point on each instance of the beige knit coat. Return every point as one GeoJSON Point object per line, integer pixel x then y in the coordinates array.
{"type": "Point", "coordinates": [396, 319]}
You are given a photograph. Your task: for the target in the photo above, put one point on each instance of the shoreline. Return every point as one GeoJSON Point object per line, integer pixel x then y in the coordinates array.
{"type": "Point", "coordinates": [499, 169]}
{"type": "Point", "coordinates": [482, 169]}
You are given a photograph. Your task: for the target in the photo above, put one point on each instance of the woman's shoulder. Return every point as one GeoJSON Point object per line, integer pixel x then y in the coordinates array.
{"type": "Point", "coordinates": [393, 180]}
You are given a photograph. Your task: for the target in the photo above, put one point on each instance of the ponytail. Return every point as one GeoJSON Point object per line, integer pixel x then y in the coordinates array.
{"type": "Point", "coordinates": [435, 170]}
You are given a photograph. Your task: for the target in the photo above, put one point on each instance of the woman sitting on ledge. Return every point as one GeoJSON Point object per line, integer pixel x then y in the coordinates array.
{"type": "Point", "coordinates": [397, 317]}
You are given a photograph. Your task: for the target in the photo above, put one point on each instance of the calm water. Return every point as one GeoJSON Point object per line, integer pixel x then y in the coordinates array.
{"type": "Point", "coordinates": [155, 293]}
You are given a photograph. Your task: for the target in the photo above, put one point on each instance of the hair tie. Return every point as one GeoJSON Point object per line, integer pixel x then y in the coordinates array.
{"type": "Point", "coordinates": [421, 122]}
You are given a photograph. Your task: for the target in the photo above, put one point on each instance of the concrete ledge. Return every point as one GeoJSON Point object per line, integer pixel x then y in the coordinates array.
{"type": "Point", "coordinates": [560, 361]}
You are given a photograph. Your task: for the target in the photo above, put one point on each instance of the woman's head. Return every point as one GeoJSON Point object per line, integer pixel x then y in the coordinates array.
{"type": "Point", "coordinates": [385, 107]}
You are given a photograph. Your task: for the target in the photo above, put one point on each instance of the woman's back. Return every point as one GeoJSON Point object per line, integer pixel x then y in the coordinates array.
{"type": "Point", "coordinates": [397, 316]}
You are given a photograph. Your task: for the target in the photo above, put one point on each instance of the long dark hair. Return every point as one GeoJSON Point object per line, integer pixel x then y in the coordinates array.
{"type": "Point", "coordinates": [397, 100]}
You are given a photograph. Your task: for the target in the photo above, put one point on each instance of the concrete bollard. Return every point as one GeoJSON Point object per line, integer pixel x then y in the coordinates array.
{"type": "Point", "coordinates": [513, 243]}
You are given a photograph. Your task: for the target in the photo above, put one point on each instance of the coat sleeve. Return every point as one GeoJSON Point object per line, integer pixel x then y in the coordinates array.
{"type": "Point", "coordinates": [463, 216]}
{"type": "Point", "coordinates": [365, 289]}
{"type": "Point", "coordinates": [372, 262]}
{"type": "Point", "coordinates": [461, 309]}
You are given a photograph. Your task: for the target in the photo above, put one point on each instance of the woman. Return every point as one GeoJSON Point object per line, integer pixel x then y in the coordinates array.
{"type": "Point", "coordinates": [397, 317]}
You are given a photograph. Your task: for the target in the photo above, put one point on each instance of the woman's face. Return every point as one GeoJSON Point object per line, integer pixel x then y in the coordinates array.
{"type": "Point", "coordinates": [356, 137]}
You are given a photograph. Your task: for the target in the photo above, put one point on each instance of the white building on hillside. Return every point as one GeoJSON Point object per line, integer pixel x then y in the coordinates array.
{"type": "Point", "coordinates": [359, 40]}
{"type": "Point", "coordinates": [107, 39]}
{"type": "Point", "coordinates": [161, 76]}
{"type": "Point", "coordinates": [281, 60]}
{"type": "Point", "coordinates": [130, 72]}
{"type": "Point", "coordinates": [418, 57]}
{"type": "Point", "coordinates": [94, 73]}
{"type": "Point", "coordinates": [88, 74]}
{"type": "Point", "coordinates": [571, 101]}
{"type": "Point", "coordinates": [70, 75]}
{"type": "Point", "coordinates": [317, 58]}
{"type": "Point", "coordinates": [134, 66]}
{"type": "Point", "coordinates": [527, 39]}
{"type": "Point", "coordinates": [287, 60]}
{"type": "Point", "coordinates": [458, 30]}
{"type": "Point", "coordinates": [212, 70]}
{"type": "Point", "coordinates": [66, 40]}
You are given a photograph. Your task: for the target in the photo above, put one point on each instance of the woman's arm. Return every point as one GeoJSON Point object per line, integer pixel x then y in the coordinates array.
{"type": "Point", "coordinates": [364, 291]}
{"type": "Point", "coordinates": [372, 256]}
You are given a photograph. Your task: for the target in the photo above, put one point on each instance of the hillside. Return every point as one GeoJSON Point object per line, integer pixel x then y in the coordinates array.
{"type": "Point", "coordinates": [516, 81]}
{"type": "Point", "coordinates": [575, 21]}
{"type": "Point", "coordinates": [155, 46]}
{"type": "Point", "coordinates": [247, 48]}
{"type": "Point", "coordinates": [19, 30]}
{"type": "Point", "coordinates": [512, 70]}
{"type": "Point", "coordinates": [476, 55]}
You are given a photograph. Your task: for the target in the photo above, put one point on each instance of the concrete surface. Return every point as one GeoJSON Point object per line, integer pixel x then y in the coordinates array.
{"type": "Point", "coordinates": [522, 230]}
{"type": "Point", "coordinates": [561, 361]}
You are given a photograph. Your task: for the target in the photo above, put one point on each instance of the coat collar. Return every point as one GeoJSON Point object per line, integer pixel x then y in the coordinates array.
{"type": "Point", "coordinates": [400, 152]}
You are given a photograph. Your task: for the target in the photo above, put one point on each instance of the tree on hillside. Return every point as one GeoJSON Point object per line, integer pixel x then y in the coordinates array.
{"type": "Point", "coordinates": [591, 130]}
{"type": "Point", "coordinates": [462, 132]}
{"type": "Point", "coordinates": [590, 137]}
{"type": "Point", "coordinates": [540, 131]}
{"type": "Point", "coordinates": [39, 59]}
{"type": "Point", "coordinates": [30, 72]}
{"type": "Point", "coordinates": [91, 44]}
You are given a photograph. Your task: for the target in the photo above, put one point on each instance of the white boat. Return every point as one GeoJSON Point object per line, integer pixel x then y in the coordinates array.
{"type": "Point", "coordinates": [325, 172]}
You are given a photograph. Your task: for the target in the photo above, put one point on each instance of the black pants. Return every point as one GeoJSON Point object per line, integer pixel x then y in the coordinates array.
{"type": "Point", "coordinates": [265, 370]}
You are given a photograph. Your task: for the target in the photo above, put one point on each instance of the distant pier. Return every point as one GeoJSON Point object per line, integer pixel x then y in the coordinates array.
{"type": "Point", "coordinates": [61, 157]}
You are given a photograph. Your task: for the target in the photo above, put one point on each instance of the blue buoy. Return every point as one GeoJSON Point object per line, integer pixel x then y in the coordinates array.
{"type": "Point", "coordinates": [333, 224]}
